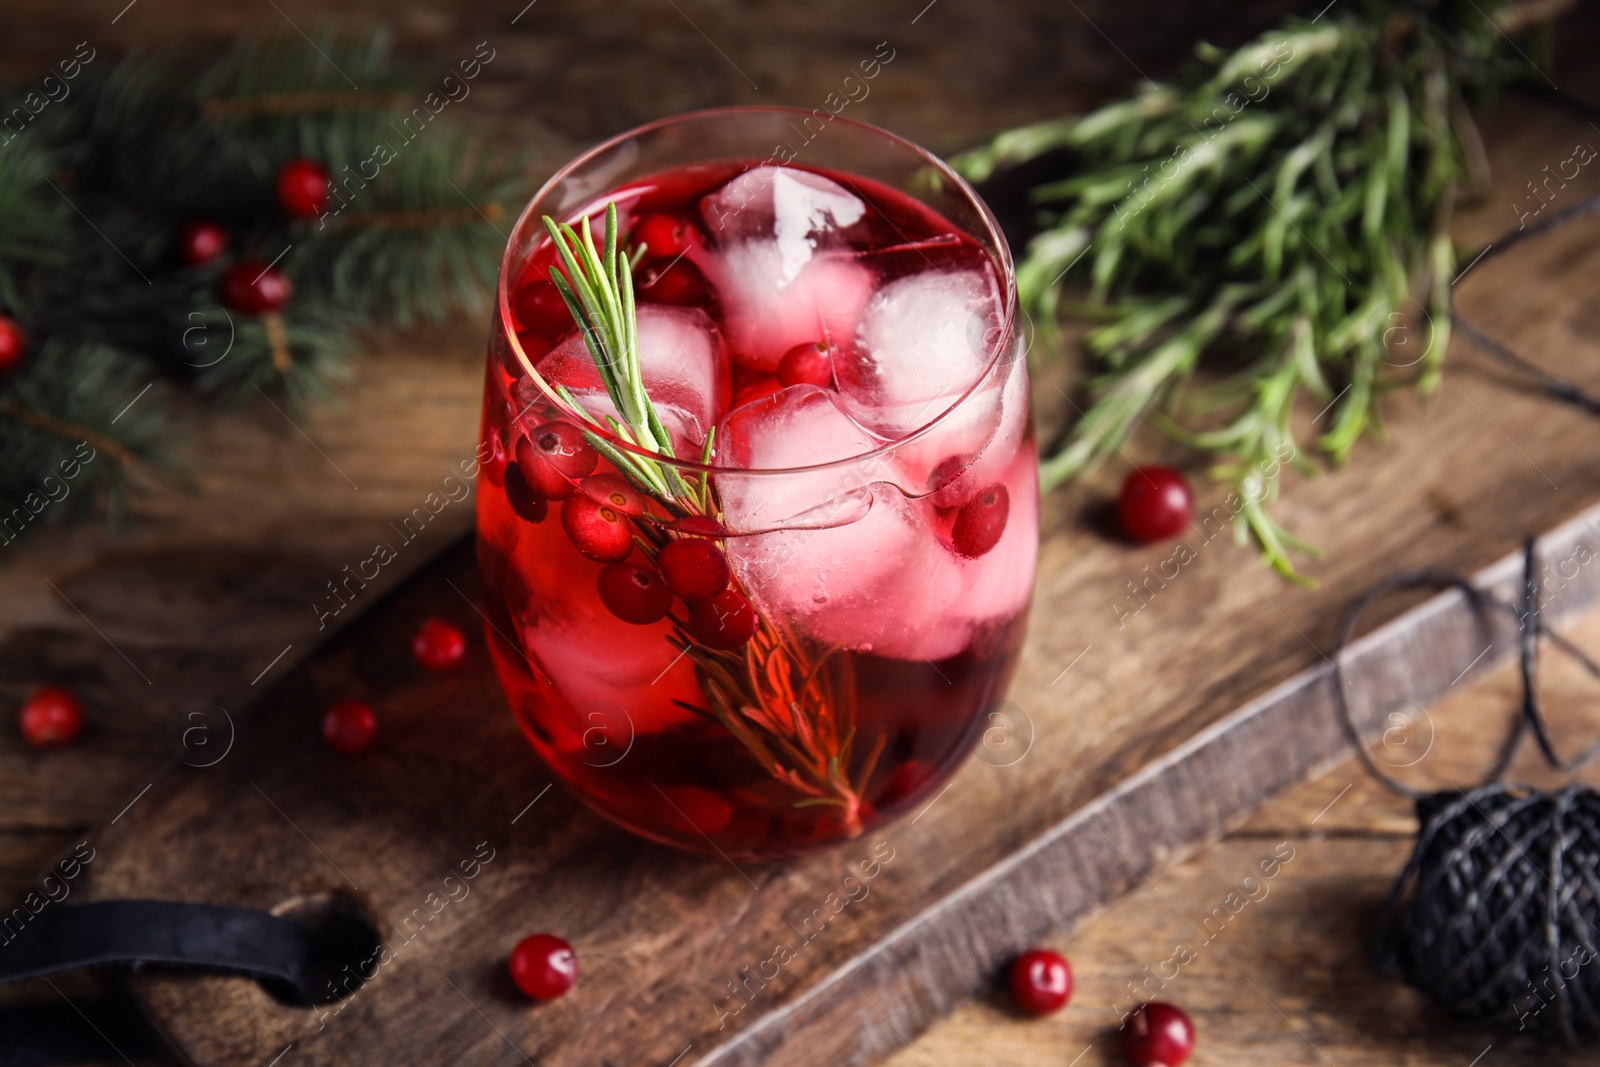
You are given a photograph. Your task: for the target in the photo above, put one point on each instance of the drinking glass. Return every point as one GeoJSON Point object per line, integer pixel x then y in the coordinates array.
{"type": "Point", "coordinates": [803, 639]}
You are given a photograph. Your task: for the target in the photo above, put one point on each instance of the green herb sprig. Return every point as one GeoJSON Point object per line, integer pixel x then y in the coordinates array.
{"type": "Point", "coordinates": [1265, 225]}
{"type": "Point", "coordinates": [788, 701]}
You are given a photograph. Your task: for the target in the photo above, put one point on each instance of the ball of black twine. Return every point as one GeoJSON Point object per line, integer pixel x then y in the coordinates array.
{"type": "Point", "coordinates": [1496, 916]}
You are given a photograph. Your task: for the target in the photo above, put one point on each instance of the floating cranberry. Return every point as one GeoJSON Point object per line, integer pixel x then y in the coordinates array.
{"type": "Point", "coordinates": [1155, 503]}
{"type": "Point", "coordinates": [634, 593]}
{"type": "Point", "coordinates": [763, 387]}
{"type": "Point", "coordinates": [201, 241]}
{"type": "Point", "coordinates": [543, 966]}
{"type": "Point", "coordinates": [553, 457]}
{"type": "Point", "coordinates": [1157, 1035]}
{"type": "Point", "coordinates": [13, 344]}
{"type": "Point", "coordinates": [51, 718]}
{"type": "Point", "coordinates": [538, 307]}
{"type": "Point", "coordinates": [528, 505]}
{"type": "Point", "coordinates": [1040, 981]}
{"type": "Point", "coordinates": [810, 363]}
{"type": "Point", "coordinates": [614, 491]}
{"type": "Point", "coordinates": [349, 727]}
{"type": "Point", "coordinates": [946, 487]}
{"type": "Point", "coordinates": [981, 521]}
{"type": "Point", "coordinates": [303, 186]}
{"type": "Point", "coordinates": [438, 646]}
{"type": "Point", "coordinates": [597, 530]}
{"type": "Point", "coordinates": [663, 236]}
{"type": "Point", "coordinates": [679, 283]}
{"type": "Point", "coordinates": [726, 621]}
{"type": "Point", "coordinates": [694, 568]}
{"type": "Point", "coordinates": [254, 288]}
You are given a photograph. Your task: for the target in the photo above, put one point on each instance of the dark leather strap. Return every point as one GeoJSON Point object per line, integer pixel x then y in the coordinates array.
{"type": "Point", "coordinates": [136, 933]}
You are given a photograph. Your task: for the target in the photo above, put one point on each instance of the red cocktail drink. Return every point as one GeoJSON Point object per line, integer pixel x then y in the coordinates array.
{"type": "Point", "coordinates": [773, 612]}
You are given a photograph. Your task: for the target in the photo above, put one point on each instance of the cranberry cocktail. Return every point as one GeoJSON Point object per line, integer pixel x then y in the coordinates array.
{"type": "Point", "coordinates": [758, 527]}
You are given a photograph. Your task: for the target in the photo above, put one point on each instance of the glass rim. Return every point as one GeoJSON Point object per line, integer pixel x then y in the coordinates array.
{"type": "Point", "coordinates": [995, 243]}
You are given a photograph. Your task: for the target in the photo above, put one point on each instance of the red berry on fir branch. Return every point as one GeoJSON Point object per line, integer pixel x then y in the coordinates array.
{"type": "Point", "coordinates": [553, 458]}
{"type": "Point", "coordinates": [349, 727]}
{"type": "Point", "coordinates": [663, 236]}
{"type": "Point", "coordinates": [303, 186]}
{"type": "Point", "coordinates": [201, 241]}
{"type": "Point", "coordinates": [809, 363]}
{"type": "Point", "coordinates": [1157, 1035]}
{"type": "Point", "coordinates": [694, 568]}
{"type": "Point", "coordinates": [438, 646]}
{"type": "Point", "coordinates": [529, 505]}
{"type": "Point", "coordinates": [51, 718]}
{"type": "Point", "coordinates": [254, 288]}
{"type": "Point", "coordinates": [1155, 503]}
{"type": "Point", "coordinates": [597, 530]}
{"type": "Point", "coordinates": [1040, 981]}
{"type": "Point", "coordinates": [634, 593]}
{"type": "Point", "coordinates": [543, 966]}
{"type": "Point", "coordinates": [981, 521]}
{"type": "Point", "coordinates": [13, 344]}
{"type": "Point", "coordinates": [538, 307]}
{"type": "Point", "coordinates": [725, 621]}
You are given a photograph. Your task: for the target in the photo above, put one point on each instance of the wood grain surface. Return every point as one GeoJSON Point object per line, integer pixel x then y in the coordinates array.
{"type": "Point", "coordinates": [200, 598]}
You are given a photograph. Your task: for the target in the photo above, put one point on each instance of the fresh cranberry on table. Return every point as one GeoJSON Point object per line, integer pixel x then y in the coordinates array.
{"type": "Point", "coordinates": [543, 966]}
{"type": "Point", "coordinates": [1155, 504]}
{"type": "Point", "coordinates": [349, 727]}
{"type": "Point", "coordinates": [1040, 981]}
{"type": "Point", "coordinates": [51, 718]}
{"type": "Point", "coordinates": [438, 646]}
{"type": "Point", "coordinates": [1157, 1035]}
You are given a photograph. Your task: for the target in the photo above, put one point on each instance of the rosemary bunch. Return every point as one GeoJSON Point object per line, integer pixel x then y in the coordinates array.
{"type": "Point", "coordinates": [1273, 223]}
{"type": "Point", "coordinates": [791, 705]}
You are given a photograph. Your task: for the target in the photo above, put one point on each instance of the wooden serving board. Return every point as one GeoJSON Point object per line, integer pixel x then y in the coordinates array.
{"type": "Point", "coordinates": [1142, 722]}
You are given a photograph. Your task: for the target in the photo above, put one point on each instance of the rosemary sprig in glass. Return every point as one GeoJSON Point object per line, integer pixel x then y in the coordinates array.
{"type": "Point", "coordinates": [790, 703]}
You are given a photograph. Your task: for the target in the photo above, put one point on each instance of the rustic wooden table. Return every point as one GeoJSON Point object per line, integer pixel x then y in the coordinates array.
{"type": "Point", "coordinates": [207, 593]}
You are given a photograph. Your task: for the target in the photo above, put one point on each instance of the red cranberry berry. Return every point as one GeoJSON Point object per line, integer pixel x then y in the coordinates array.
{"type": "Point", "coordinates": [946, 486]}
{"type": "Point", "coordinates": [51, 718]}
{"type": "Point", "coordinates": [349, 727]}
{"type": "Point", "coordinates": [538, 307]}
{"type": "Point", "coordinates": [1040, 981]}
{"type": "Point", "coordinates": [528, 505]}
{"type": "Point", "coordinates": [596, 529]}
{"type": "Point", "coordinates": [725, 621]}
{"type": "Point", "coordinates": [634, 593]}
{"type": "Point", "coordinates": [201, 241]}
{"type": "Point", "coordinates": [554, 457]}
{"type": "Point", "coordinates": [438, 646]}
{"type": "Point", "coordinates": [13, 344]}
{"type": "Point", "coordinates": [694, 568]}
{"type": "Point", "coordinates": [679, 283]}
{"type": "Point", "coordinates": [809, 363]}
{"type": "Point", "coordinates": [1155, 503]}
{"type": "Point", "coordinates": [663, 236]}
{"type": "Point", "coordinates": [614, 491]}
{"type": "Point", "coordinates": [303, 186]}
{"type": "Point", "coordinates": [254, 288]}
{"type": "Point", "coordinates": [981, 521]}
{"type": "Point", "coordinates": [543, 966]}
{"type": "Point", "coordinates": [1157, 1035]}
